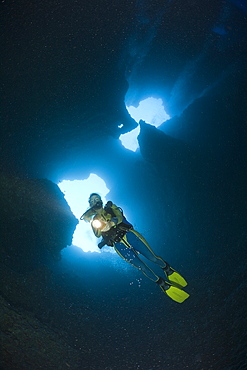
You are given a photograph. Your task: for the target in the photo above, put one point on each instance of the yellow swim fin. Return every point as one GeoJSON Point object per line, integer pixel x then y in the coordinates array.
{"type": "Point", "coordinates": [178, 295]}
{"type": "Point", "coordinates": [177, 279]}
{"type": "Point", "coordinates": [174, 277]}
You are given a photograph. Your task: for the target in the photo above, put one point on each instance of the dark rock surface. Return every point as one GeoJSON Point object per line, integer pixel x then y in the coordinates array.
{"type": "Point", "coordinates": [38, 326]}
{"type": "Point", "coordinates": [36, 224]}
{"type": "Point", "coordinates": [27, 343]}
{"type": "Point", "coordinates": [35, 220]}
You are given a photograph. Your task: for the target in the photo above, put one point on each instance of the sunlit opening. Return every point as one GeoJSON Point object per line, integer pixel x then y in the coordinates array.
{"type": "Point", "coordinates": [129, 140]}
{"type": "Point", "coordinates": [76, 194]}
{"type": "Point", "coordinates": [151, 111]}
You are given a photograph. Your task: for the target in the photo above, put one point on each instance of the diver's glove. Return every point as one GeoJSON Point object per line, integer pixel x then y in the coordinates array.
{"type": "Point", "coordinates": [102, 244]}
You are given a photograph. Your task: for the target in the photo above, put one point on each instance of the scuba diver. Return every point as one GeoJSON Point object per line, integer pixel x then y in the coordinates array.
{"type": "Point", "coordinates": [110, 223]}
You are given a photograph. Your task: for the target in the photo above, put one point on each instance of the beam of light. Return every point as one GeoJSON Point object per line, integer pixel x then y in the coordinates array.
{"type": "Point", "coordinates": [151, 111]}
{"type": "Point", "coordinates": [76, 194]}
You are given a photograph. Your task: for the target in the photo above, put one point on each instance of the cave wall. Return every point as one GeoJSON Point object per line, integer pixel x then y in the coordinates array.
{"type": "Point", "coordinates": [36, 225]}
{"type": "Point", "coordinates": [36, 221]}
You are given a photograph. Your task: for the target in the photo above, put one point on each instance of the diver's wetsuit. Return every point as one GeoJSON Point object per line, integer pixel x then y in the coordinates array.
{"type": "Point", "coordinates": [131, 245]}
{"type": "Point", "coordinates": [110, 223]}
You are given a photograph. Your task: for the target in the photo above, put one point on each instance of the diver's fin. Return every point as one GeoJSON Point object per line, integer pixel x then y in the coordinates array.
{"type": "Point", "coordinates": [178, 295]}
{"type": "Point", "coordinates": [174, 277]}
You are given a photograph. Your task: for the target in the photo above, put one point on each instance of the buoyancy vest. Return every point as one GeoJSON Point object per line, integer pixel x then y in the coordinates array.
{"type": "Point", "coordinates": [117, 232]}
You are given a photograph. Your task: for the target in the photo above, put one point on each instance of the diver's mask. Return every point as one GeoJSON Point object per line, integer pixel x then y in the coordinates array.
{"type": "Point", "coordinates": [95, 201]}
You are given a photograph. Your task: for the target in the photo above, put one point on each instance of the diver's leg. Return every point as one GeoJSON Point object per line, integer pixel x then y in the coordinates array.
{"type": "Point", "coordinates": [139, 243]}
{"type": "Point", "coordinates": [131, 256]}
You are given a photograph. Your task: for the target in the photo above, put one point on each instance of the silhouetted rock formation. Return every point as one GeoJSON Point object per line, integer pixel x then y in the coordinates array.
{"type": "Point", "coordinates": [35, 221]}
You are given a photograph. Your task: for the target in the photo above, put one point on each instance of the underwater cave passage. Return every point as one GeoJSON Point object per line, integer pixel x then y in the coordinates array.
{"type": "Point", "coordinates": [76, 193]}
{"type": "Point", "coordinates": [150, 110]}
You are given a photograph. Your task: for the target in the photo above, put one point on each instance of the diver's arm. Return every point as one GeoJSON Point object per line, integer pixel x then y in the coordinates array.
{"type": "Point", "coordinates": [87, 216]}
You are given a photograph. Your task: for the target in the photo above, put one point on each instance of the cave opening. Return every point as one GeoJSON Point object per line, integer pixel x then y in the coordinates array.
{"type": "Point", "coordinates": [76, 193]}
{"type": "Point", "coordinates": [152, 111]}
